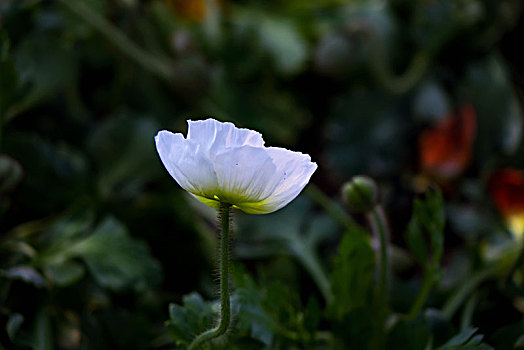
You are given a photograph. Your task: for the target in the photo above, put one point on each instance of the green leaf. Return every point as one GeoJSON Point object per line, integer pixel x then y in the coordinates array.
{"type": "Point", "coordinates": [252, 314]}
{"type": "Point", "coordinates": [499, 122]}
{"type": "Point", "coordinates": [57, 174]}
{"type": "Point", "coordinates": [352, 276]}
{"type": "Point", "coordinates": [426, 229]}
{"type": "Point", "coordinates": [44, 63]}
{"type": "Point", "coordinates": [66, 273]}
{"type": "Point", "coordinates": [409, 335]}
{"type": "Point", "coordinates": [115, 259]}
{"type": "Point", "coordinates": [66, 230]}
{"type": "Point", "coordinates": [190, 319]}
{"type": "Point", "coordinates": [416, 241]}
{"type": "Point", "coordinates": [282, 233]}
{"type": "Point", "coordinates": [519, 344]}
{"type": "Point", "coordinates": [124, 151]}
{"type": "Point", "coordinates": [273, 314]}
{"type": "Point", "coordinates": [13, 325]}
{"type": "Point", "coordinates": [73, 224]}
{"type": "Point", "coordinates": [285, 44]}
{"type": "Point", "coordinates": [356, 330]}
{"type": "Point", "coordinates": [277, 36]}
{"type": "Point", "coordinates": [312, 315]}
{"type": "Point", "coordinates": [466, 340]}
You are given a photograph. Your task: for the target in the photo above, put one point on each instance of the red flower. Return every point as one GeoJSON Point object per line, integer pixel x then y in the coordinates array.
{"type": "Point", "coordinates": [445, 149]}
{"type": "Point", "coordinates": [506, 187]}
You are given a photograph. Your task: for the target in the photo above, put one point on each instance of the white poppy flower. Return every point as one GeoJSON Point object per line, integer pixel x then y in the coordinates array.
{"type": "Point", "coordinates": [219, 162]}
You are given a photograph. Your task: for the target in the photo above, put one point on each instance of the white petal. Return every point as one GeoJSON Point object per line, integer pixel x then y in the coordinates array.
{"type": "Point", "coordinates": [295, 170]}
{"type": "Point", "coordinates": [186, 164]}
{"type": "Point", "coordinates": [215, 137]}
{"type": "Point", "coordinates": [245, 174]}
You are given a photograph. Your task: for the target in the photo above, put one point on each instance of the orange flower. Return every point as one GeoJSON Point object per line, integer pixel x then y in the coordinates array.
{"type": "Point", "coordinates": [445, 149]}
{"type": "Point", "coordinates": [194, 10]}
{"type": "Point", "coordinates": [506, 187]}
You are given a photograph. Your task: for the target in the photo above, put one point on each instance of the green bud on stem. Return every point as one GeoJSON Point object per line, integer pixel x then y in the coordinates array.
{"type": "Point", "coordinates": [360, 194]}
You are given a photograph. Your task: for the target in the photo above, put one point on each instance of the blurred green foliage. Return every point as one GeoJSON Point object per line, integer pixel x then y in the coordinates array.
{"type": "Point", "coordinates": [99, 246]}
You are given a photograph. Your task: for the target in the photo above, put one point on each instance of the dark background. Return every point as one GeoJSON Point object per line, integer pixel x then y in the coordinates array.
{"type": "Point", "coordinates": [96, 238]}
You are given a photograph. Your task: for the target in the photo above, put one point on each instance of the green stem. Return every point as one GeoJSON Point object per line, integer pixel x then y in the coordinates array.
{"type": "Point", "coordinates": [156, 65]}
{"type": "Point", "coordinates": [379, 64]}
{"type": "Point", "coordinates": [402, 83]}
{"type": "Point", "coordinates": [225, 307]}
{"type": "Point", "coordinates": [467, 313]}
{"type": "Point", "coordinates": [311, 263]}
{"type": "Point", "coordinates": [377, 221]}
{"type": "Point", "coordinates": [330, 207]}
{"type": "Point", "coordinates": [464, 291]}
{"type": "Point", "coordinates": [1, 129]}
{"type": "Point", "coordinates": [379, 227]}
{"type": "Point", "coordinates": [422, 294]}
{"type": "Point", "coordinates": [516, 265]}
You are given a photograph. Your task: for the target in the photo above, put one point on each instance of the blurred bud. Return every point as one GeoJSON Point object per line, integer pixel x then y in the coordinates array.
{"type": "Point", "coordinates": [10, 173]}
{"type": "Point", "coordinates": [360, 194]}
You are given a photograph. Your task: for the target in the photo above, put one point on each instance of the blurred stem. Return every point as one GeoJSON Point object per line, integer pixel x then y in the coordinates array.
{"type": "Point", "coordinates": [341, 216]}
{"type": "Point", "coordinates": [1, 130]}
{"type": "Point", "coordinates": [399, 84]}
{"type": "Point", "coordinates": [4, 291]}
{"type": "Point", "coordinates": [464, 291]}
{"type": "Point", "coordinates": [225, 307]}
{"type": "Point", "coordinates": [516, 265]}
{"type": "Point", "coordinates": [311, 263]}
{"type": "Point", "coordinates": [4, 54]}
{"type": "Point", "coordinates": [377, 221]}
{"type": "Point", "coordinates": [325, 336]}
{"type": "Point", "coordinates": [161, 67]}
{"type": "Point", "coordinates": [336, 212]}
{"type": "Point", "coordinates": [395, 83]}
{"type": "Point", "coordinates": [380, 229]}
{"type": "Point", "coordinates": [429, 278]}
{"type": "Point", "coordinates": [403, 82]}
{"type": "Point", "coordinates": [469, 309]}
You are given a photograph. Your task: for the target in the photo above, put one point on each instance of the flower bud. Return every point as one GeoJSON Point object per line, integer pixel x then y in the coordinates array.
{"type": "Point", "coordinates": [360, 194]}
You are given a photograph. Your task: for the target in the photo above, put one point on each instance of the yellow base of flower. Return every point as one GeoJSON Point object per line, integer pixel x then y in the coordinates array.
{"type": "Point", "coordinates": [515, 224]}
{"type": "Point", "coordinates": [247, 207]}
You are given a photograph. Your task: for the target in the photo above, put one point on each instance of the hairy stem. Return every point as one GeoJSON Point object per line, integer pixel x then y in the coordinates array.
{"type": "Point", "coordinates": [225, 307]}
